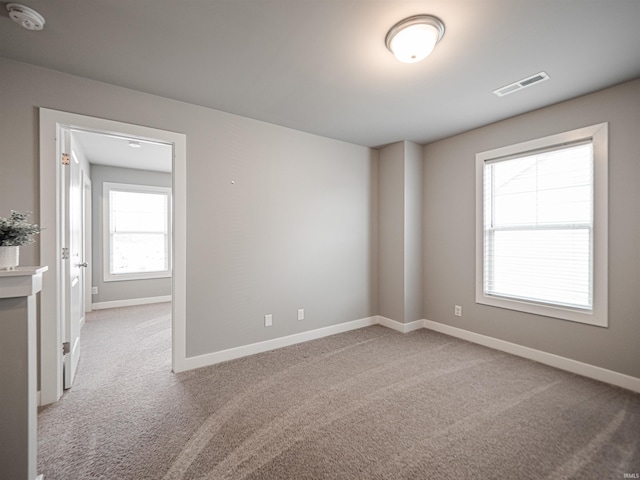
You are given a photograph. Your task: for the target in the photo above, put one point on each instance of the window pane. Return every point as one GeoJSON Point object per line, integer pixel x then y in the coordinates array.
{"type": "Point", "coordinates": [138, 212]}
{"type": "Point", "coordinates": [135, 253]}
{"type": "Point", "coordinates": [548, 188]}
{"type": "Point", "coordinates": [568, 205]}
{"type": "Point", "coordinates": [515, 209]}
{"type": "Point", "coordinates": [549, 266]}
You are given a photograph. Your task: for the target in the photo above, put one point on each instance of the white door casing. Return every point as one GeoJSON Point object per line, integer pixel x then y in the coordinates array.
{"type": "Point", "coordinates": [52, 311]}
{"type": "Point", "coordinates": [86, 243]}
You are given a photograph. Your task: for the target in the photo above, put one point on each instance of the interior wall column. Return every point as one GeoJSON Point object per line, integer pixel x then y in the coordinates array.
{"type": "Point", "coordinates": [400, 232]}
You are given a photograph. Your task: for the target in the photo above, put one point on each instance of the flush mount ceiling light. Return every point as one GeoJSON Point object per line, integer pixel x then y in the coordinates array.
{"type": "Point", "coordinates": [134, 144]}
{"type": "Point", "coordinates": [414, 38]}
{"type": "Point", "coordinates": [25, 17]}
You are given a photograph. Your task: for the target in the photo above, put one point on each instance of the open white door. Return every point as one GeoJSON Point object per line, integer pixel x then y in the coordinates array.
{"type": "Point", "coordinates": [73, 261]}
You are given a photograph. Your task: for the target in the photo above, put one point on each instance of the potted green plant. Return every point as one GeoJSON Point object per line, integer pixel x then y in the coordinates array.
{"type": "Point", "coordinates": [14, 232]}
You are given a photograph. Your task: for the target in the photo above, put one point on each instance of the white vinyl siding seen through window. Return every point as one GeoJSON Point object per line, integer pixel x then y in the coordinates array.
{"type": "Point", "coordinates": [542, 230]}
{"type": "Point", "coordinates": [137, 236]}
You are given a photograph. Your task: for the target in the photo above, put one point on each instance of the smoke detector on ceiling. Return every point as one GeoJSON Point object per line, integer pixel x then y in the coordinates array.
{"type": "Point", "coordinates": [25, 17]}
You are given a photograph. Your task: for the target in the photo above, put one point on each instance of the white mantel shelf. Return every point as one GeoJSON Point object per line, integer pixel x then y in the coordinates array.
{"type": "Point", "coordinates": [21, 281]}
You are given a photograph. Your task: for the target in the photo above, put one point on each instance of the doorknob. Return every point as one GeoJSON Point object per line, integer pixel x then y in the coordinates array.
{"type": "Point", "coordinates": [85, 264]}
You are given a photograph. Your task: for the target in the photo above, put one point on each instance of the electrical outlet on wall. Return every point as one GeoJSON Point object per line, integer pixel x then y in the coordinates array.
{"type": "Point", "coordinates": [94, 290]}
{"type": "Point", "coordinates": [457, 311]}
{"type": "Point", "coordinates": [301, 314]}
{"type": "Point", "coordinates": [268, 320]}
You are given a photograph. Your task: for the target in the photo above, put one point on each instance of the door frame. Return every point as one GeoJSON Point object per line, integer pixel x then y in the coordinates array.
{"type": "Point", "coordinates": [87, 247]}
{"type": "Point", "coordinates": [52, 295]}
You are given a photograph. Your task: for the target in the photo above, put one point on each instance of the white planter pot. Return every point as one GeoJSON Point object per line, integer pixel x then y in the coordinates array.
{"type": "Point", "coordinates": [9, 257]}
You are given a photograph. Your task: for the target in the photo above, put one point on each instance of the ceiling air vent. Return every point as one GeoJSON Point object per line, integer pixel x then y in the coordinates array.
{"type": "Point", "coordinates": [520, 84]}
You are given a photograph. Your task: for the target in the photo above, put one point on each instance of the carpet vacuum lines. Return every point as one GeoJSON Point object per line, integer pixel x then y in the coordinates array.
{"type": "Point", "coordinates": [320, 411]}
{"type": "Point", "coordinates": [460, 427]}
{"type": "Point", "coordinates": [214, 422]}
{"type": "Point", "coordinates": [211, 426]}
{"type": "Point", "coordinates": [572, 466]}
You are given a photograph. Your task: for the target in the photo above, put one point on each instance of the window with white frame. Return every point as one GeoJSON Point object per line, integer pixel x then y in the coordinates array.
{"type": "Point", "coordinates": [541, 226]}
{"type": "Point", "coordinates": [137, 231]}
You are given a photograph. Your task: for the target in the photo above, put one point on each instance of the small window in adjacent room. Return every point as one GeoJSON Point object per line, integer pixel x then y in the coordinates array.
{"type": "Point", "coordinates": [137, 232]}
{"type": "Point", "coordinates": [541, 226]}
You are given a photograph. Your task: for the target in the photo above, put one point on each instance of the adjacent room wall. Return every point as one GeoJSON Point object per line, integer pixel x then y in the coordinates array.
{"type": "Point", "coordinates": [128, 289]}
{"type": "Point", "coordinates": [295, 229]}
{"type": "Point", "coordinates": [449, 232]}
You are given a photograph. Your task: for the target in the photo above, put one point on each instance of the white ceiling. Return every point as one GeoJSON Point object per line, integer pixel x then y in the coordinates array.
{"type": "Point", "coordinates": [321, 66]}
{"type": "Point", "coordinates": [115, 151]}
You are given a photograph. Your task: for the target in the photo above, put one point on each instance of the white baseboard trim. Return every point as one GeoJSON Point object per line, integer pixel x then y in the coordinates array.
{"type": "Point", "coordinates": [400, 327]}
{"type": "Point", "coordinates": [563, 363]}
{"type": "Point", "coordinates": [251, 349]}
{"type": "Point", "coordinates": [130, 302]}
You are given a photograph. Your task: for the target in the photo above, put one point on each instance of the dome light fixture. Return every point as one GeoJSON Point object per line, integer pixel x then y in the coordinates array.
{"type": "Point", "coordinates": [414, 38]}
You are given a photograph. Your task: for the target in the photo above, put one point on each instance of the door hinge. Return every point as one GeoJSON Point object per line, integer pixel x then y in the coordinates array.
{"type": "Point", "coordinates": [65, 253]}
{"type": "Point", "coordinates": [65, 159]}
{"type": "Point", "coordinates": [66, 348]}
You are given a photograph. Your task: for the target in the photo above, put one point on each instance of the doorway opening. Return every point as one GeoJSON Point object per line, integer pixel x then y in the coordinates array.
{"type": "Point", "coordinates": [140, 233]}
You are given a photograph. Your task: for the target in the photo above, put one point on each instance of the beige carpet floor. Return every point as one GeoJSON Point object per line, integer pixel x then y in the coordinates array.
{"type": "Point", "coordinates": [367, 404]}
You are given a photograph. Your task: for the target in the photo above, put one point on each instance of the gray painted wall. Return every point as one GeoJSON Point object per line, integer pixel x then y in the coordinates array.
{"type": "Point", "coordinates": [128, 289]}
{"type": "Point", "coordinates": [449, 223]}
{"type": "Point", "coordinates": [296, 230]}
